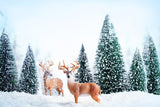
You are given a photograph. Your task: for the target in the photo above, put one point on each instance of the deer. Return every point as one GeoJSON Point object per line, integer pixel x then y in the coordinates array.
{"type": "Point", "coordinates": [51, 83]}
{"type": "Point", "coordinates": [76, 88]}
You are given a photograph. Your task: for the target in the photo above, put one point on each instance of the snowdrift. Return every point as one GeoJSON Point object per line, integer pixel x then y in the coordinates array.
{"type": "Point", "coordinates": [124, 99]}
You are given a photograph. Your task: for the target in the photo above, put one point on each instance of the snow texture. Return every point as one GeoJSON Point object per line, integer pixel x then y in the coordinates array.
{"type": "Point", "coordinates": [124, 99]}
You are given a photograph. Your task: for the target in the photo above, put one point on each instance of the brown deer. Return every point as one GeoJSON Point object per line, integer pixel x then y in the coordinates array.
{"type": "Point", "coordinates": [51, 83]}
{"type": "Point", "coordinates": [77, 89]}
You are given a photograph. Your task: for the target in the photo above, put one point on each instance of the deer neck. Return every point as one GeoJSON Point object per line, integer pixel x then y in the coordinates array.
{"type": "Point", "coordinates": [71, 84]}
{"type": "Point", "coordinates": [44, 79]}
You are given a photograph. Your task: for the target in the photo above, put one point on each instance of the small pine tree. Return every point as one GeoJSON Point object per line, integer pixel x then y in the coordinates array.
{"type": "Point", "coordinates": [137, 74]}
{"type": "Point", "coordinates": [8, 73]}
{"type": "Point", "coordinates": [83, 74]}
{"type": "Point", "coordinates": [28, 79]}
{"type": "Point", "coordinates": [109, 60]}
{"type": "Point", "coordinates": [151, 62]}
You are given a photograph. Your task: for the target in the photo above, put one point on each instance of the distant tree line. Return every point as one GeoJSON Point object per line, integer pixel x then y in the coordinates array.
{"type": "Point", "coordinates": [110, 73]}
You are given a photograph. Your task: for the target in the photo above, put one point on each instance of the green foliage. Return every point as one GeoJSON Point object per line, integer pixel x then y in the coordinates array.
{"type": "Point", "coordinates": [28, 80]}
{"type": "Point", "coordinates": [151, 62]}
{"type": "Point", "coordinates": [8, 73]}
{"type": "Point", "coordinates": [137, 74]}
{"type": "Point", "coordinates": [109, 60]}
{"type": "Point", "coordinates": [83, 74]}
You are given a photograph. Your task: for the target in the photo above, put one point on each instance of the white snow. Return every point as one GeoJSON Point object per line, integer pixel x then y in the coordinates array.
{"type": "Point", "coordinates": [124, 99]}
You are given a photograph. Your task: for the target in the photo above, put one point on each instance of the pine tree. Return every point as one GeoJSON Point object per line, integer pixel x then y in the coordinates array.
{"type": "Point", "coordinates": [28, 79]}
{"type": "Point", "coordinates": [83, 74]}
{"type": "Point", "coordinates": [137, 74]}
{"type": "Point", "coordinates": [109, 60]}
{"type": "Point", "coordinates": [8, 73]}
{"type": "Point", "coordinates": [151, 62]}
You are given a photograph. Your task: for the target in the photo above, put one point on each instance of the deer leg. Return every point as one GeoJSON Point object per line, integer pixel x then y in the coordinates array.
{"type": "Point", "coordinates": [76, 98]}
{"type": "Point", "coordinates": [95, 97]}
{"type": "Point", "coordinates": [58, 91]}
{"type": "Point", "coordinates": [45, 91]}
{"type": "Point", "coordinates": [50, 92]}
{"type": "Point", "coordinates": [62, 92]}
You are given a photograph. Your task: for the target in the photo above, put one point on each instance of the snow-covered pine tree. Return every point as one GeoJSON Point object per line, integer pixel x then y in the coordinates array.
{"type": "Point", "coordinates": [83, 74]}
{"type": "Point", "coordinates": [151, 62]}
{"type": "Point", "coordinates": [137, 74]}
{"type": "Point", "coordinates": [28, 79]}
{"type": "Point", "coordinates": [8, 71]}
{"type": "Point", "coordinates": [109, 60]}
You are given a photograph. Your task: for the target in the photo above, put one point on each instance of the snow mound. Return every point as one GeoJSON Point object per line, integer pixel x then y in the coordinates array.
{"type": "Point", "coordinates": [124, 99]}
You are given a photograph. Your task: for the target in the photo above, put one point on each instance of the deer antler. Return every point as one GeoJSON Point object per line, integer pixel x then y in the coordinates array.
{"type": "Point", "coordinates": [74, 67]}
{"type": "Point", "coordinates": [43, 66]}
{"type": "Point", "coordinates": [50, 64]}
{"type": "Point", "coordinates": [62, 67]}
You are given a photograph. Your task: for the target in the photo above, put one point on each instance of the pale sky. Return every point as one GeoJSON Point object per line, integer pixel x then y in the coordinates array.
{"type": "Point", "coordinates": [57, 29]}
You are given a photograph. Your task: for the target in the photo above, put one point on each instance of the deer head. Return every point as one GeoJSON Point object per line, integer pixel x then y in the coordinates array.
{"type": "Point", "coordinates": [45, 68]}
{"type": "Point", "coordinates": [66, 69]}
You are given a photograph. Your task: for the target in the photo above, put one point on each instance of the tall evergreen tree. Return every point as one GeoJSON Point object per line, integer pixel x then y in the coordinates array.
{"type": "Point", "coordinates": [8, 73]}
{"type": "Point", "coordinates": [83, 74]}
{"type": "Point", "coordinates": [151, 62]}
{"type": "Point", "coordinates": [109, 60]}
{"type": "Point", "coordinates": [137, 74]}
{"type": "Point", "coordinates": [28, 79]}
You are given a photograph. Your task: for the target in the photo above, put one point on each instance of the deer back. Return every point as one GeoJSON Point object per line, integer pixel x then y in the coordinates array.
{"type": "Point", "coordinates": [54, 83]}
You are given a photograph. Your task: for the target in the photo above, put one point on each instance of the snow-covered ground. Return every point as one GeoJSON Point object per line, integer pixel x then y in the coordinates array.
{"type": "Point", "coordinates": [124, 99]}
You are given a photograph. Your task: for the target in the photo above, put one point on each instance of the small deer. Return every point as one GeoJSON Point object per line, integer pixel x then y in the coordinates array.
{"type": "Point", "coordinates": [51, 83]}
{"type": "Point", "coordinates": [77, 89]}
